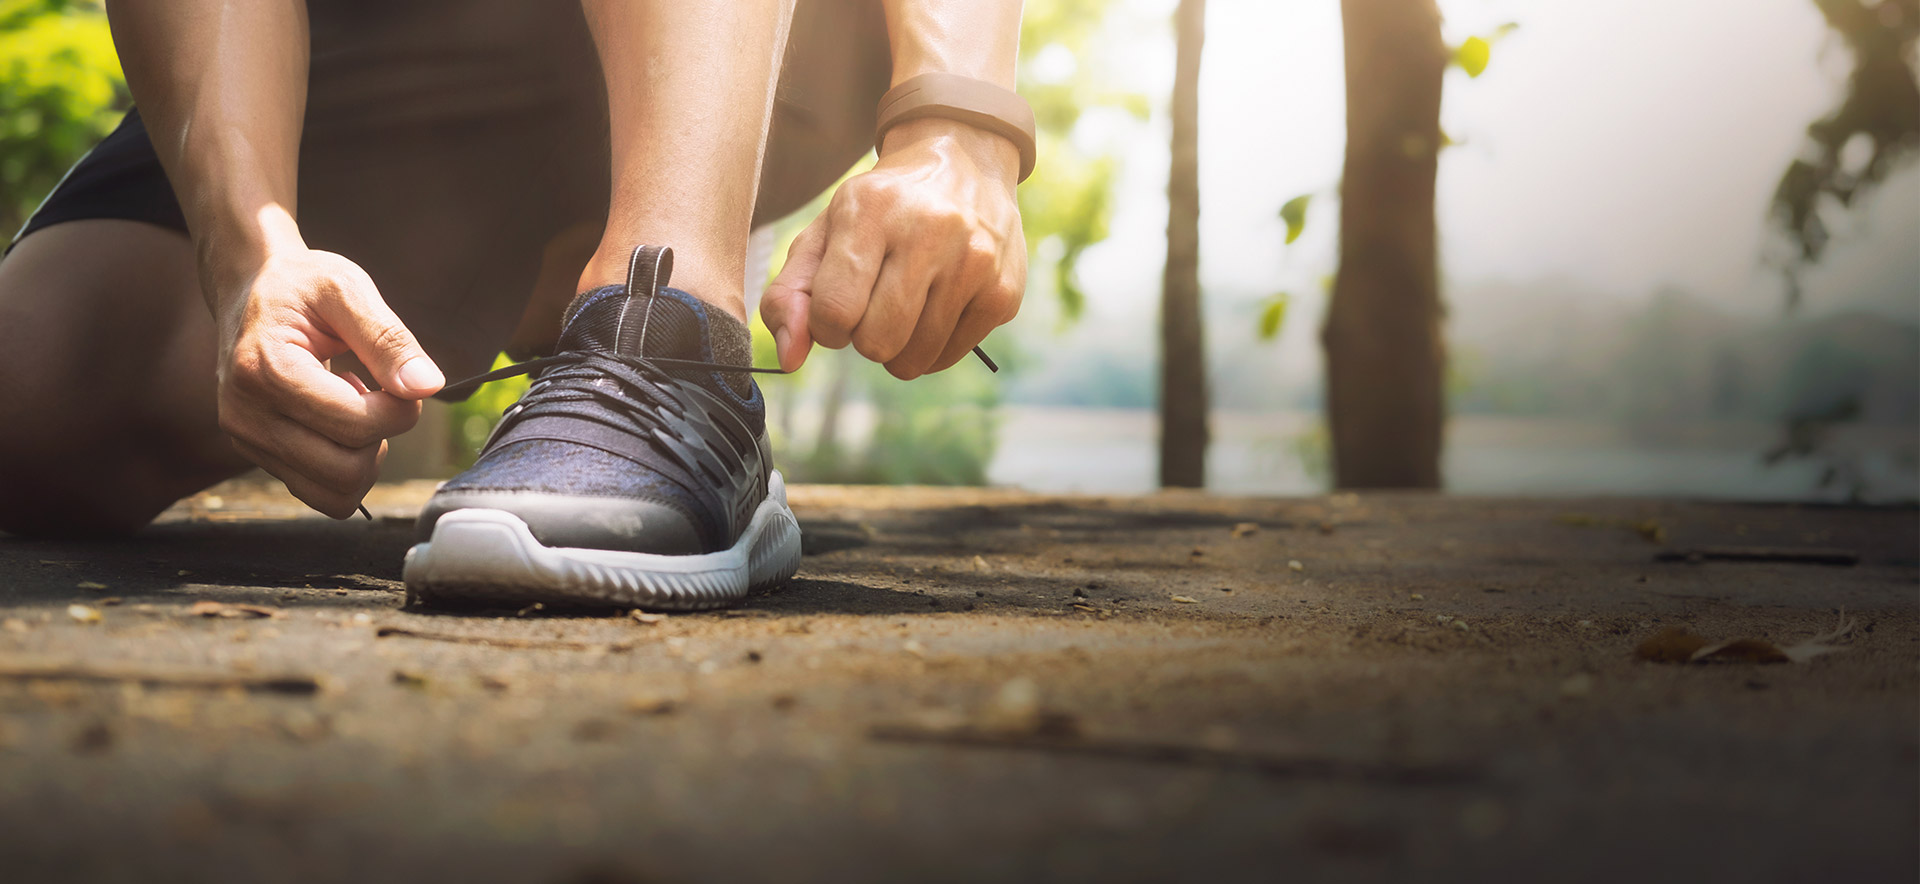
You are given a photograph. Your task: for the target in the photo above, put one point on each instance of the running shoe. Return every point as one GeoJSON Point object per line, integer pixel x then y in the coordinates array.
{"type": "Point", "coordinates": [634, 472]}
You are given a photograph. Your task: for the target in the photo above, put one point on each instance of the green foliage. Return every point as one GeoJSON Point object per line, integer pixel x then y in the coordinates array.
{"type": "Point", "coordinates": [1313, 448]}
{"type": "Point", "coordinates": [1294, 212]}
{"type": "Point", "coordinates": [1273, 316]}
{"type": "Point", "coordinates": [937, 430]}
{"type": "Point", "coordinates": [473, 419]}
{"type": "Point", "coordinates": [1073, 207]}
{"type": "Point", "coordinates": [61, 91]}
{"type": "Point", "coordinates": [1069, 197]}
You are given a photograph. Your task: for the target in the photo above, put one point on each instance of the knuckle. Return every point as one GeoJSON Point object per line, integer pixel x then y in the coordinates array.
{"type": "Point", "coordinates": [1004, 303]}
{"type": "Point", "coordinates": [877, 347]}
{"type": "Point", "coordinates": [361, 436]}
{"type": "Point", "coordinates": [980, 257]}
{"type": "Point", "coordinates": [248, 368]}
{"type": "Point", "coordinates": [232, 425]}
{"type": "Point", "coordinates": [392, 340]}
{"type": "Point", "coordinates": [834, 316]}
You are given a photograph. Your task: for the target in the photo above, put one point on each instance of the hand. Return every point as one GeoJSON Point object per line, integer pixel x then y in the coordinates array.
{"type": "Point", "coordinates": [323, 434]}
{"type": "Point", "coordinates": [913, 262]}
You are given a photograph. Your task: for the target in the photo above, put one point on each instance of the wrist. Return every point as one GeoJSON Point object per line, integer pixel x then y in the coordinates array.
{"type": "Point", "coordinates": [233, 247]}
{"type": "Point", "coordinates": [992, 153]}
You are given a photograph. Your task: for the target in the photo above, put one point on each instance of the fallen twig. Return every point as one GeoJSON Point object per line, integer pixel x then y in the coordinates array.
{"type": "Point", "coordinates": [1287, 766]}
{"type": "Point", "coordinates": [500, 641]}
{"type": "Point", "coordinates": [1809, 555]}
{"type": "Point", "coordinates": [283, 683]}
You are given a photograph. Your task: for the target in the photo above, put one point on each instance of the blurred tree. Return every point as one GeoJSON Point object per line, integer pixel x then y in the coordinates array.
{"type": "Point", "coordinates": [61, 91]}
{"type": "Point", "coordinates": [1385, 357]}
{"type": "Point", "coordinates": [1183, 363]}
{"type": "Point", "coordinates": [1880, 110]}
{"type": "Point", "coordinates": [1880, 114]}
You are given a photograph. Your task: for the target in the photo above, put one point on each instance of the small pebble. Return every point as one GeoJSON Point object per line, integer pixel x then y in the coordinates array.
{"type": "Point", "coordinates": [1294, 565]}
{"type": "Point", "coordinates": [1186, 601]}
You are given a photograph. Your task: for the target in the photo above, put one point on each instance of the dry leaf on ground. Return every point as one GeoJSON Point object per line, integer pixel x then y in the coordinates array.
{"type": "Point", "coordinates": [1676, 645]}
{"type": "Point", "coordinates": [211, 608]}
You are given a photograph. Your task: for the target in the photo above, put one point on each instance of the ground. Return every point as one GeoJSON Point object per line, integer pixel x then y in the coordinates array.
{"type": "Point", "coordinates": [979, 684]}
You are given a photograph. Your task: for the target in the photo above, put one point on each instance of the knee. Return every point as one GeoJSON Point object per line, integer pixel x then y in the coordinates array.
{"type": "Point", "coordinates": [81, 478]}
{"type": "Point", "coordinates": [40, 498]}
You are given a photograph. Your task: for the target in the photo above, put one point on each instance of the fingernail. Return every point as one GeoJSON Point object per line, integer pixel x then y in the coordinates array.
{"type": "Point", "coordinates": [420, 375]}
{"type": "Point", "coordinates": [780, 339]}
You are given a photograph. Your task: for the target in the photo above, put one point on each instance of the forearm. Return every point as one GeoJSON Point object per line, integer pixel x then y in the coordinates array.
{"type": "Point", "coordinates": [972, 38]}
{"type": "Point", "coordinates": [222, 89]}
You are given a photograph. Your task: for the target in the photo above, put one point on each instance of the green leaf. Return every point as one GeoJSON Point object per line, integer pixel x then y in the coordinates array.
{"type": "Point", "coordinates": [1472, 55]}
{"type": "Point", "coordinates": [1294, 212]}
{"type": "Point", "coordinates": [1274, 316]}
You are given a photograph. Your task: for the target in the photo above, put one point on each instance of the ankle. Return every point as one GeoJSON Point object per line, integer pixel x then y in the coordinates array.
{"type": "Point", "coordinates": [720, 290]}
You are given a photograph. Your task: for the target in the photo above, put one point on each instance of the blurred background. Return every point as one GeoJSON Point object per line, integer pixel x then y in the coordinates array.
{"type": "Point", "coordinates": [1637, 247]}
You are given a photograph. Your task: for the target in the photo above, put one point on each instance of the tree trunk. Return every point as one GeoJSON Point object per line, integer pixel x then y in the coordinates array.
{"type": "Point", "coordinates": [1183, 362]}
{"type": "Point", "coordinates": [1385, 357]}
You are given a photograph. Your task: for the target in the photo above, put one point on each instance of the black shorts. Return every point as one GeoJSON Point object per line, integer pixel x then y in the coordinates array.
{"type": "Point", "coordinates": [446, 142]}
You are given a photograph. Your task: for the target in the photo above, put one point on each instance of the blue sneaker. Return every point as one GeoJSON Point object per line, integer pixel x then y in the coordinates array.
{"type": "Point", "coordinates": [635, 472]}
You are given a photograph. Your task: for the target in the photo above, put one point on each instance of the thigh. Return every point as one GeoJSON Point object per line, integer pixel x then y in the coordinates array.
{"type": "Point", "coordinates": [106, 378]}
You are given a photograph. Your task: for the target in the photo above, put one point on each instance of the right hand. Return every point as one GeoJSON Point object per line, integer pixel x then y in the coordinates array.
{"type": "Point", "coordinates": [323, 434]}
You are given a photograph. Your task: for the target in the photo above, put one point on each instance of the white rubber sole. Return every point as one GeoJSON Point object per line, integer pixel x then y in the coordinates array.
{"type": "Point", "coordinates": [489, 556]}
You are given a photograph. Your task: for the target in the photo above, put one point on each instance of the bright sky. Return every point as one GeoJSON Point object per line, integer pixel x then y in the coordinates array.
{"type": "Point", "coordinates": [1622, 146]}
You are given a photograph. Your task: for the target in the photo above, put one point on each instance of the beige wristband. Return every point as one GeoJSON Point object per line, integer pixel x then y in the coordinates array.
{"type": "Point", "coordinates": [976, 103]}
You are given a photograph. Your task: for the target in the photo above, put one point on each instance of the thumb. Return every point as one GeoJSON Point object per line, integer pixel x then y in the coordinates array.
{"type": "Point", "coordinates": [362, 319]}
{"type": "Point", "coordinates": [784, 306]}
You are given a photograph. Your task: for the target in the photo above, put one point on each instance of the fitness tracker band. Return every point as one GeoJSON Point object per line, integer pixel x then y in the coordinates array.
{"type": "Point", "coordinates": [976, 103]}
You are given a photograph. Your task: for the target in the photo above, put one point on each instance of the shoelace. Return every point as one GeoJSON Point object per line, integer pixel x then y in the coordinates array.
{"type": "Point", "coordinates": [617, 364]}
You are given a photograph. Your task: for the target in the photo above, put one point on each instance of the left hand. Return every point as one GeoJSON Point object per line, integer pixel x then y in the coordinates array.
{"type": "Point", "coordinates": [913, 262]}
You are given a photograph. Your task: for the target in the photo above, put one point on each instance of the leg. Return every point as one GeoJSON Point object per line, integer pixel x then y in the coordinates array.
{"type": "Point", "coordinates": [107, 348]}
{"type": "Point", "coordinates": [689, 89]}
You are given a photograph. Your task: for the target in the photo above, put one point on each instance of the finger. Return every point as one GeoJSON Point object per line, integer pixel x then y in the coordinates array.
{"type": "Point", "coordinates": [328, 464]}
{"type": "Point", "coordinates": [359, 386]}
{"type": "Point", "coordinates": [330, 404]}
{"type": "Point", "coordinates": [784, 306]}
{"type": "Point", "coordinates": [844, 283]}
{"type": "Point", "coordinates": [899, 295]}
{"type": "Point", "coordinates": [975, 322]}
{"type": "Point", "coordinates": [330, 500]}
{"type": "Point", "coordinates": [930, 336]}
{"type": "Point", "coordinates": [359, 316]}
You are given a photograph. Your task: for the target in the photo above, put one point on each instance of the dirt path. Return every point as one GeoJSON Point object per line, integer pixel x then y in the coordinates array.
{"type": "Point", "coordinates": [971, 684]}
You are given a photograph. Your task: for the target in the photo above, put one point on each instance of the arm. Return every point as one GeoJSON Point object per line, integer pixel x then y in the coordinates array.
{"type": "Point", "coordinates": [915, 261]}
{"type": "Point", "coordinates": [222, 88]}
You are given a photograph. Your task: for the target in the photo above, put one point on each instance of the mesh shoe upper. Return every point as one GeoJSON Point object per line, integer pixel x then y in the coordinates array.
{"type": "Point", "coordinates": [611, 449]}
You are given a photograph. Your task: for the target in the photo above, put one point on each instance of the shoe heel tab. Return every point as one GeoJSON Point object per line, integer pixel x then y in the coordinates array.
{"type": "Point", "coordinates": [649, 268]}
